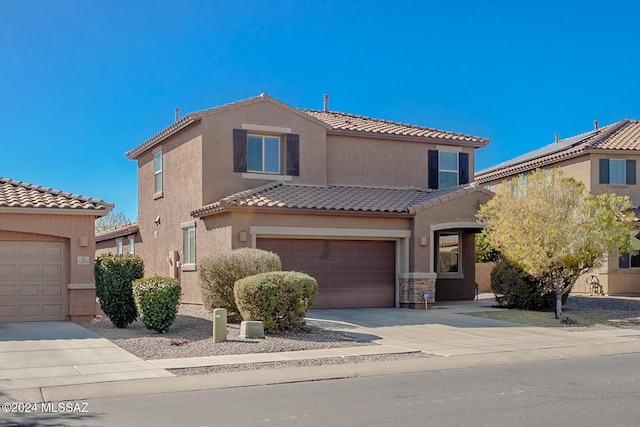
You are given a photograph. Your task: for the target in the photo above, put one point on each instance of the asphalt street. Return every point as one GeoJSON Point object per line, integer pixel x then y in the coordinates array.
{"type": "Point", "coordinates": [594, 391]}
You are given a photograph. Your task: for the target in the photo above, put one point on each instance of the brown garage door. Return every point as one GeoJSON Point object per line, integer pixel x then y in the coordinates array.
{"type": "Point", "coordinates": [32, 281]}
{"type": "Point", "coordinates": [350, 273]}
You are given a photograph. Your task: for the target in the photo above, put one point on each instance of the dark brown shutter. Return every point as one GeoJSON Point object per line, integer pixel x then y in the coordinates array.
{"type": "Point", "coordinates": [463, 168]}
{"type": "Point", "coordinates": [631, 172]}
{"type": "Point", "coordinates": [604, 171]}
{"type": "Point", "coordinates": [293, 154]}
{"type": "Point", "coordinates": [239, 150]}
{"type": "Point", "coordinates": [433, 171]}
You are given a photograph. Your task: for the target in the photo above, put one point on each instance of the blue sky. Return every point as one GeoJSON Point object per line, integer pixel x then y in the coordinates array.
{"type": "Point", "coordinates": [81, 82]}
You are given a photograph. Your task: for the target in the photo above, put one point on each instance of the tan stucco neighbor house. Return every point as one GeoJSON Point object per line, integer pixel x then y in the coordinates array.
{"type": "Point", "coordinates": [377, 211]}
{"type": "Point", "coordinates": [604, 159]}
{"type": "Point", "coordinates": [46, 253]}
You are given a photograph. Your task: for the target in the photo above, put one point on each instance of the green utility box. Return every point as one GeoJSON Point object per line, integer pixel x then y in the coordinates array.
{"type": "Point", "coordinates": [251, 329]}
{"type": "Point", "coordinates": [219, 325]}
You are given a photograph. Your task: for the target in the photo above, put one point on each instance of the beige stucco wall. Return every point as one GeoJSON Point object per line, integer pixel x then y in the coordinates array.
{"type": "Point", "coordinates": [355, 160]}
{"type": "Point", "coordinates": [77, 231]}
{"type": "Point", "coordinates": [182, 192]}
{"type": "Point", "coordinates": [622, 190]}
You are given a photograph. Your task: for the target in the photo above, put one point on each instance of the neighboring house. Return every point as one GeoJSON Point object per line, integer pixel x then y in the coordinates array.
{"type": "Point", "coordinates": [604, 159]}
{"type": "Point", "coordinates": [376, 211]}
{"type": "Point", "coordinates": [119, 240]}
{"type": "Point", "coordinates": [47, 251]}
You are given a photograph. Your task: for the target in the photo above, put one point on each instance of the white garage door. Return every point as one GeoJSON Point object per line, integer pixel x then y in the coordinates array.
{"type": "Point", "coordinates": [32, 281]}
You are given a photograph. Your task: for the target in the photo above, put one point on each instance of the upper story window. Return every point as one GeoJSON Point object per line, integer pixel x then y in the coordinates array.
{"type": "Point", "coordinates": [617, 171]}
{"type": "Point", "coordinates": [263, 154]}
{"type": "Point", "coordinates": [447, 169]}
{"type": "Point", "coordinates": [157, 172]}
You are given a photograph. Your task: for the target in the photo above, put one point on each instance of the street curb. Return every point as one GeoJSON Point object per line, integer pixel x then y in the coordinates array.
{"type": "Point", "coordinates": [303, 374]}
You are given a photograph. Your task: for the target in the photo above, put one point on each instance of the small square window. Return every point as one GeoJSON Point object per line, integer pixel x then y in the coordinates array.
{"type": "Point", "coordinates": [263, 154]}
{"type": "Point", "coordinates": [617, 174]}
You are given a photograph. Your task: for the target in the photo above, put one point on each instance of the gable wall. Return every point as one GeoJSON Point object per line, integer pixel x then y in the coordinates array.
{"type": "Point", "coordinates": [219, 179]}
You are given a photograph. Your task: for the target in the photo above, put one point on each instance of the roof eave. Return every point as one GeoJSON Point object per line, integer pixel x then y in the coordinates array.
{"type": "Point", "coordinates": [440, 141]}
{"type": "Point", "coordinates": [58, 211]}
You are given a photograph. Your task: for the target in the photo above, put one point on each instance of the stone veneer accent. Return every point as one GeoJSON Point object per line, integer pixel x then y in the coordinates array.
{"type": "Point", "coordinates": [411, 287]}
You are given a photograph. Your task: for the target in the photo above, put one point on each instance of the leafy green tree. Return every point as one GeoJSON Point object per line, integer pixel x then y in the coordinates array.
{"type": "Point", "coordinates": [484, 251]}
{"type": "Point", "coordinates": [553, 229]}
{"type": "Point", "coordinates": [111, 220]}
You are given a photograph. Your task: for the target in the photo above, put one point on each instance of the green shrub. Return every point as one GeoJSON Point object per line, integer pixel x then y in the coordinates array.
{"type": "Point", "coordinates": [157, 300]}
{"type": "Point", "coordinates": [279, 299]}
{"type": "Point", "coordinates": [514, 288]}
{"type": "Point", "coordinates": [219, 272]}
{"type": "Point", "coordinates": [113, 275]}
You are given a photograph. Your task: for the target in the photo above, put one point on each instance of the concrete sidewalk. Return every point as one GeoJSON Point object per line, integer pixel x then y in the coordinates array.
{"type": "Point", "coordinates": [462, 340]}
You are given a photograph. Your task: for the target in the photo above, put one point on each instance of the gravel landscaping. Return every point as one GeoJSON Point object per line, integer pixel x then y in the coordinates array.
{"type": "Point", "coordinates": [581, 313]}
{"type": "Point", "coordinates": [191, 336]}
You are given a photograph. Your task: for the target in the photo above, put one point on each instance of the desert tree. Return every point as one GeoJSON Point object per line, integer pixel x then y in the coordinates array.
{"type": "Point", "coordinates": [553, 229]}
{"type": "Point", "coordinates": [111, 220]}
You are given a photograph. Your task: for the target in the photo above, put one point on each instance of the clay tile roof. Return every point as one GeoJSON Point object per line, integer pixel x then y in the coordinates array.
{"type": "Point", "coordinates": [336, 197]}
{"type": "Point", "coordinates": [120, 231]}
{"type": "Point", "coordinates": [619, 136]}
{"type": "Point", "coordinates": [20, 195]}
{"type": "Point", "coordinates": [330, 120]}
{"type": "Point", "coordinates": [361, 124]}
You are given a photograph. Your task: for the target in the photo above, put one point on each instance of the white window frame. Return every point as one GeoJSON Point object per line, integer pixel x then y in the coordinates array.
{"type": "Point", "coordinates": [263, 153]}
{"type": "Point", "coordinates": [188, 250]}
{"type": "Point", "coordinates": [441, 169]}
{"type": "Point", "coordinates": [119, 247]}
{"type": "Point", "coordinates": [157, 173]}
{"type": "Point", "coordinates": [132, 246]}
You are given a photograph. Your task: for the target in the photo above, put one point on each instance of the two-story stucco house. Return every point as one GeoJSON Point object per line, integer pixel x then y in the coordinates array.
{"type": "Point", "coordinates": [604, 159]}
{"type": "Point", "coordinates": [377, 211]}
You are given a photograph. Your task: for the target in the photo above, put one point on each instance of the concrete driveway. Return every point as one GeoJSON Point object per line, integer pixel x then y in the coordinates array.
{"type": "Point", "coordinates": [446, 330]}
{"type": "Point", "coordinates": [40, 354]}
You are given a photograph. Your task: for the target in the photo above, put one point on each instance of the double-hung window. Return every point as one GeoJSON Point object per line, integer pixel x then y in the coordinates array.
{"type": "Point", "coordinates": [263, 154]}
{"type": "Point", "coordinates": [157, 172]}
{"type": "Point", "coordinates": [447, 169]}
{"type": "Point", "coordinates": [617, 171]}
{"type": "Point", "coordinates": [189, 245]}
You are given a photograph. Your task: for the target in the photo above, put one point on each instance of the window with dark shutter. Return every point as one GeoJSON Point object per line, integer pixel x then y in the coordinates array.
{"type": "Point", "coordinates": [293, 154]}
{"type": "Point", "coordinates": [433, 171]}
{"type": "Point", "coordinates": [239, 150]}
{"type": "Point", "coordinates": [631, 172]}
{"type": "Point", "coordinates": [463, 177]}
{"type": "Point", "coordinates": [604, 171]}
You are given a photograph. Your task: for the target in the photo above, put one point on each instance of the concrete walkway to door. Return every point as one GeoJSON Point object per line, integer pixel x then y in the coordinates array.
{"type": "Point", "coordinates": [39, 354]}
